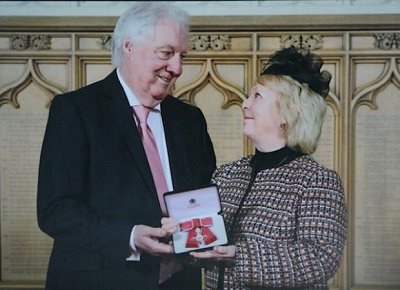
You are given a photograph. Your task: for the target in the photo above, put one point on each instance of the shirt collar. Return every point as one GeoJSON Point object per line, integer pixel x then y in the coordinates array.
{"type": "Point", "coordinates": [132, 99]}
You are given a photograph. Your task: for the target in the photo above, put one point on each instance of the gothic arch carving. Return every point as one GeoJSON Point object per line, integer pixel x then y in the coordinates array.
{"type": "Point", "coordinates": [209, 74]}
{"type": "Point", "coordinates": [9, 94]}
{"type": "Point", "coordinates": [367, 95]}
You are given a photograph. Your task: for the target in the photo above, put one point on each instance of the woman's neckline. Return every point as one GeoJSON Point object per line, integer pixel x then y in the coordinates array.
{"type": "Point", "coordinates": [274, 159]}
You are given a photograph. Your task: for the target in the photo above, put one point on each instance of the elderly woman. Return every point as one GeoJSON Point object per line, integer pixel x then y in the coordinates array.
{"type": "Point", "coordinates": [284, 212]}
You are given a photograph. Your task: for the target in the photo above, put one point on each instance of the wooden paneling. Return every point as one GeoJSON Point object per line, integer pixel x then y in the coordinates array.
{"type": "Point", "coordinates": [41, 57]}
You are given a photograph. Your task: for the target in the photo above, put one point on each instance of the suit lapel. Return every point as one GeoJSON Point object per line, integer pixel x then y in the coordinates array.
{"type": "Point", "coordinates": [116, 103]}
{"type": "Point", "coordinates": [175, 141]}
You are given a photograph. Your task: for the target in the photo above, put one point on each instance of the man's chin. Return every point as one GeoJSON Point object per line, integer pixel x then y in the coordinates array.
{"type": "Point", "coordinates": [161, 94]}
{"type": "Point", "coordinates": [159, 97]}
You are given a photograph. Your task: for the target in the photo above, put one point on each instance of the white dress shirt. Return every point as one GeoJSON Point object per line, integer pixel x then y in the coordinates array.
{"type": "Point", "coordinates": [155, 123]}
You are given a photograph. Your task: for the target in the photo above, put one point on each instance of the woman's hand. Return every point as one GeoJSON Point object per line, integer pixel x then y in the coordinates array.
{"type": "Point", "coordinates": [217, 254]}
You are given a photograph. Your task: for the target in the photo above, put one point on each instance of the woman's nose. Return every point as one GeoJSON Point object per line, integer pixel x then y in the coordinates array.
{"type": "Point", "coordinates": [245, 104]}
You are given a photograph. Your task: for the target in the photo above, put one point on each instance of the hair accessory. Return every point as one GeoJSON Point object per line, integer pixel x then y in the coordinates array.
{"type": "Point", "coordinates": [301, 66]}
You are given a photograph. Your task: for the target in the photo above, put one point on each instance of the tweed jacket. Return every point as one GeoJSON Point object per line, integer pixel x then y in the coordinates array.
{"type": "Point", "coordinates": [291, 229]}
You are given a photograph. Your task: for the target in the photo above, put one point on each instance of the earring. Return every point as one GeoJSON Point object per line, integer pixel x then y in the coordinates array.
{"type": "Point", "coordinates": [282, 126]}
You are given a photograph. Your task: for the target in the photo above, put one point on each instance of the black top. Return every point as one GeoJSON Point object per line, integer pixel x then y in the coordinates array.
{"type": "Point", "coordinates": [274, 159]}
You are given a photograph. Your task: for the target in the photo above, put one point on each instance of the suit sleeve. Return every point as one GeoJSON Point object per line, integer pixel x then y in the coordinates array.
{"type": "Point", "coordinates": [209, 160]}
{"type": "Point", "coordinates": [64, 188]}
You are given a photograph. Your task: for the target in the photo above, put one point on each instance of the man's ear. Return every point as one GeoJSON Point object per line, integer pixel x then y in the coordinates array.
{"type": "Point", "coordinates": [128, 48]}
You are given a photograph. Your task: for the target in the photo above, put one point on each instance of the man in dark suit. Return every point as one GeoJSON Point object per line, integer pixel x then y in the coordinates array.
{"type": "Point", "coordinates": [96, 195]}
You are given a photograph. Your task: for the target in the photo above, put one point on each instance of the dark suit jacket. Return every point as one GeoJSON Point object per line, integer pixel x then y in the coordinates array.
{"type": "Point", "coordinates": [95, 183]}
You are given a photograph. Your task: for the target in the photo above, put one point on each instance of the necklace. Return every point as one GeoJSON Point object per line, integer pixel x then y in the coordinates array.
{"type": "Point", "coordinates": [282, 161]}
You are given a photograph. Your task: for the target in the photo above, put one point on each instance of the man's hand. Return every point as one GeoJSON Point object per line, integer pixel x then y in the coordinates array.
{"type": "Point", "coordinates": [147, 239]}
{"type": "Point", "coordinates": [170, 225]}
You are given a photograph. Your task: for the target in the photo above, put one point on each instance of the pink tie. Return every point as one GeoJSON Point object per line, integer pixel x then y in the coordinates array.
{"type": "Point", "coordinates": [169, 265]}
{"type": "Point", "coordinates": [153, 157]}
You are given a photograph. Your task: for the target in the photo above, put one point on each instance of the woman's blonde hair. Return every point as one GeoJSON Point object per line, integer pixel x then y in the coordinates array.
{"type": "Point", "coordinates": [302, 109]}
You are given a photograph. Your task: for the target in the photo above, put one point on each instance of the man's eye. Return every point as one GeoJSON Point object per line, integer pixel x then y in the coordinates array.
{"type": "Point", "coordinates": [257, 96]}
{"type": "Point", "coordinates": [165, 54]}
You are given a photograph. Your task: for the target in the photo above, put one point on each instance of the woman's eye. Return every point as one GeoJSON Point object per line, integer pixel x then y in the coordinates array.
{"type": "Point", "coordinates": [257, 96]}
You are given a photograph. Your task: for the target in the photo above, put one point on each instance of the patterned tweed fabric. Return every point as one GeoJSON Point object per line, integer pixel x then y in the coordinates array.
{"type": "Point", "coordinates": [291, 230]}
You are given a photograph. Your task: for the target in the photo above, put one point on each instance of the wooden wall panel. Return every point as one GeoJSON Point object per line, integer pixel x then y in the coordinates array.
{"type": "Point", "coordinates": [41, 57]}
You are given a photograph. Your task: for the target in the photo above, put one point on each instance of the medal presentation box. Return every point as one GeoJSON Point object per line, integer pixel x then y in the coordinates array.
{"type": "Point", "coordinates": [200, 224]}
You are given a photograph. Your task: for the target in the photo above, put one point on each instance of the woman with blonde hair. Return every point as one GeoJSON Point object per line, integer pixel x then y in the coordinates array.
{"type": "Point", "coordinates": [285, 213]}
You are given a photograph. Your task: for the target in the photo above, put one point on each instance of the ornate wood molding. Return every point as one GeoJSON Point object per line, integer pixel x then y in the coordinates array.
{"type": "Point", "coordinates": [30, 41]}
{"type": "Point", "coordinates": [387, 40]}
{"type": "Point", "coordinates": [106, 41]}
{"type": "Point", "coordinates": [212, 41]}
{"type": "Point", "coordinates": [302, 41]}
{"type": "Point", "coordinates": [44, 56]}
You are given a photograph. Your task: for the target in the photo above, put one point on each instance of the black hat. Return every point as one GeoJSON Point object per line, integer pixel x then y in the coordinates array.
{"type": "Point", "coordinates": [303, 67]}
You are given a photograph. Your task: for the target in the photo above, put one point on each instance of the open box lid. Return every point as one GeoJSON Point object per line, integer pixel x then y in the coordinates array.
{"type": "Point", "coordinates": [193, 203]}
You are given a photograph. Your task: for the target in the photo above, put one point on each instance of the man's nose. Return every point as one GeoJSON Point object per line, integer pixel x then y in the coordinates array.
{"type": "Point", "coordinates": [175, 65]}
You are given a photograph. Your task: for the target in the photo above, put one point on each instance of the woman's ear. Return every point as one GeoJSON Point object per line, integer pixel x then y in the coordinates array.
{"type": "Point", "coordinates": [295, 110]}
